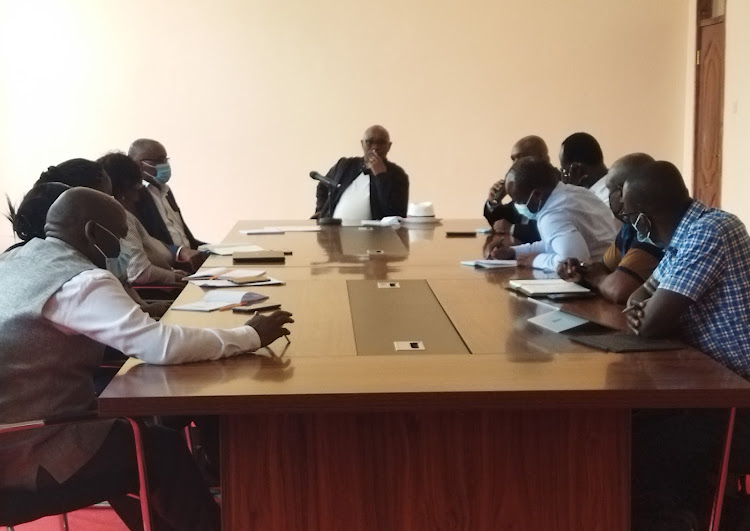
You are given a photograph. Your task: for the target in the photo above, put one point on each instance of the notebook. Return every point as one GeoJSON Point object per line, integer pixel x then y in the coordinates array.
{"type": "Point", "coordinates": [258, 257]}
{"type": "Point", "coordinates": [541, 287]}
{"type": "Point", "coordinates": [625, 343]}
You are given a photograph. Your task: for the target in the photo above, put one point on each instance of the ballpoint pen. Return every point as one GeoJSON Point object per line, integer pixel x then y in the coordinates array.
{"type": "Point", "coordinates": [631, 308]}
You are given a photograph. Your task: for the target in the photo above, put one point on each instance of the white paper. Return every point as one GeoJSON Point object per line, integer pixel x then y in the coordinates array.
{"type": "Point", "coordinates": [547, 286]}
{"type": "Point", "coordinates": [388, 221]}
{"type": "Point", "coordinates": [228, 249]}
{"type": "Point", "coordinates": [489, 264]}
{"type": "Point", "coordinates": [200, 306]}
{"type": "Point", "coordinates": [219, 283]}
{"type": "Point", "coordinates": [557, 321]}
{"type": "Point", "coordinates": [295, 228]}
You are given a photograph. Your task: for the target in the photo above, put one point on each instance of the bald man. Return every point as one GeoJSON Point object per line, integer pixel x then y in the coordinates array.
{"type": "Point", "coordinates": [157, 208]}
{"type": "Point", "coordinates": [628, 262]}
{"type": "Point", "coordinates": [62, 304]}
{"type": "Point", "coordinates": [503, 217]}
{"type": "Point", "coordinates": [367, 187]}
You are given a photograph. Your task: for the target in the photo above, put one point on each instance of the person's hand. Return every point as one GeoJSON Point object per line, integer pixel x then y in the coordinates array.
{"type": "Point", "coordinates": [375, 162]}
{"type": "Point", "coordinates": [497, 192]}
{"type": "Point", "coordinates": [635, 315]}
{"type": "Point", "coordinates": [493, 240]}
{"type": "Point", "coordinates": [179, 275]}
{"type": "Point", "coordinates": [502, 253]}
{"type": "Point", "coordinates": [270, 327]}
{"type": "Point", "coordinates": [526, 260]}
{"type": "Point", "coordinates": [502, 226]}
{"type": "Point", "coordinates": [192, 258]}
{"type": "Point", "coordinates": [570, 269]}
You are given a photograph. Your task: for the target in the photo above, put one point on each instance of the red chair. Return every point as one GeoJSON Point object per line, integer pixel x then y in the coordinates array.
{"type": "Point", "coordinates": [19, 506]}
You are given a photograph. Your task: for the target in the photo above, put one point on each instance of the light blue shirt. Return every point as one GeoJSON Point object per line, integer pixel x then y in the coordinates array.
{"type": "Point", "coordinates": [573, 223]}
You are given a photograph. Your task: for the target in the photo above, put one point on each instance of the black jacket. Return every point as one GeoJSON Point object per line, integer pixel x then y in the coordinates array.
{"type": "Point", "coordinates": [149, 216]}
{"type": "Point", "coordinates": [524, 230]}
{"type": "Point", "coordinates": [389, 191]}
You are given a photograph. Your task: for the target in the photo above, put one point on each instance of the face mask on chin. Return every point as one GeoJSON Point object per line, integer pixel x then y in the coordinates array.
{"type": "Point", "coordinates": [523, 209]}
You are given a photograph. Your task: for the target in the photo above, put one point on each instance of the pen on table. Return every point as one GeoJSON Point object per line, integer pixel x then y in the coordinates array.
{"type": "Point", "coordinates": [230, 306]}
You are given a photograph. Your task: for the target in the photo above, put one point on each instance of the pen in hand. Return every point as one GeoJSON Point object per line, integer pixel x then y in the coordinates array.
{"type": "Point", "coordinates": [632, 307]}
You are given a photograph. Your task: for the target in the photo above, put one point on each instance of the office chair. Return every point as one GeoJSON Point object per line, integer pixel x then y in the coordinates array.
{"type": "Point", "coordinates": [20, 506]}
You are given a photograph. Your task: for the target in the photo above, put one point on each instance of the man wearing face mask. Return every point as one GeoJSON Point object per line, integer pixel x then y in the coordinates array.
{"type": "Point", "coordinates": [701, 288]}
{"type": "Point", "coordinates": [368, 187]}
{"type": "Point", "coordinates": [699, 293]}
{"type": "Point", "coordinates": [157, 209]}
{"type": "Point", "coordinates": [628, 262]}
{"type": "Point", "coordinates": [61, 305]}
{"type": "Point", "coordinates": [572, 221]}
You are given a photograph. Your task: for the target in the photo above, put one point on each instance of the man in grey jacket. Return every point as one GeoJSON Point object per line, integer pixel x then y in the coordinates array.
{"type": "Point", "coordinates": [61, 304]}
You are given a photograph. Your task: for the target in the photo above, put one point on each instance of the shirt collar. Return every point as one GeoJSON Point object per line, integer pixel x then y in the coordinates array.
{"type": "Point", "coordinates": [694, 212]}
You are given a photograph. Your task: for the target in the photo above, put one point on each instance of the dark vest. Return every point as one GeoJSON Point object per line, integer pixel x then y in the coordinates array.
{"type": "Point", "coordinates": [43, 371]}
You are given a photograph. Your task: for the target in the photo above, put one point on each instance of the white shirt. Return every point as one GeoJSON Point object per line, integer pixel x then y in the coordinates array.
{"type": "Point", "coordinates": [149, 259]}
{"type": "Point", "coordinates": [600, 190]}
{"type": "Point", "coordinates": [94, 304]}
{"type": "Point", "coordinates": [354, 203]}
{"type": "Point", "coordinates": [172, 219]}
{"type": "Point", "coordinates": [573, 223]}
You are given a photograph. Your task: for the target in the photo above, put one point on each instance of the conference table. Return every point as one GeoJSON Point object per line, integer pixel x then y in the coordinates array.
{"type": "Point", "coordinates": [484, 422]}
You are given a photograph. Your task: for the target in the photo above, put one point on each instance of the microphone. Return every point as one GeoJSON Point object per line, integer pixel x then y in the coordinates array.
{"type": "Point", "coordinates": [323, 179]}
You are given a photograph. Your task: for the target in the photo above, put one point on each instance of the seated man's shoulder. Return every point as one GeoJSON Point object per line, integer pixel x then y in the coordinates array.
{"type": "Point", "coordinates": [718, 223]}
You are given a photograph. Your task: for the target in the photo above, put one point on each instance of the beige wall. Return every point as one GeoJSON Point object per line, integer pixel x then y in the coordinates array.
{"type": "Point", "coordinates": [249, 96]}
{"type": "Point", "coordinates": [735, 180]}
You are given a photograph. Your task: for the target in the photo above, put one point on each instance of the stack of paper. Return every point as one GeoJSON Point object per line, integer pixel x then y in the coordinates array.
{"type": "Point", "coordinates": [546, 286]}
{"type": "Point", "coordinates": [238, 276]}
{"type": "Point", "coordinates": [226, 249]}
{"type": "Point", "coordinates": [222, 300]}
{"type": "Point", "coordinates": [489, 264]}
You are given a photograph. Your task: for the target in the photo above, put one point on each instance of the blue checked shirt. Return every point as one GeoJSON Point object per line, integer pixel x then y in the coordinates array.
{"type": "Point", "coordinates": [708, 261]}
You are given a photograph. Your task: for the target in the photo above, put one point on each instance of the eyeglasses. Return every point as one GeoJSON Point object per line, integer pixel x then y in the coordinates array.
{"type": "Point", "coordinates": [641, 224]}
{"type": "Point", "coordinates": [156, 161]}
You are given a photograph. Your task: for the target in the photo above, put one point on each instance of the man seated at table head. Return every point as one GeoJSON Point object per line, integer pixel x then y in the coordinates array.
{"type": "Point", "coordinates": [61, 305]}
{"type": "Point", "coordinates": [572, 221]}
{"type": "Point", "coordinates": [628, 262]}
{"type": "Point", "coordinates": [582, 164]}
{"type": "Point", "coordinates": [701, 289]}
{"type": "Point", "coordinates": [157, 208]}
{"type": "Point", "coordinates": [504, 218]}
{"type": "Point", "coordinates": [367, 187]}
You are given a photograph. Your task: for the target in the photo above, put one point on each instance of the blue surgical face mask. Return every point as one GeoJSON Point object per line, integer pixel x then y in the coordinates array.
{"type": "Point", "coordinates": [117, 265]}
{"type": "Point", "coordinates": [642, 226]}
{"type": "Point", "coordinates": [524, 210]}
{"type": "Point", "coordinates": [162, 172]}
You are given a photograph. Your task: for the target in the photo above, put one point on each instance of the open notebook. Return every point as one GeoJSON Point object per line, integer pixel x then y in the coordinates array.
{"type": "Point", "coordinates": [539, 287]}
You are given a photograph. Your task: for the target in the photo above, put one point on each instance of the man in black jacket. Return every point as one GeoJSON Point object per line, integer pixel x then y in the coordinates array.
{"type": "Point", "coordinates": [369, 187]}
{"type": "Point", "coordinates": [157, 209]}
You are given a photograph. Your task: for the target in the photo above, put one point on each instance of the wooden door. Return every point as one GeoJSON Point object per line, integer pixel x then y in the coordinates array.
{"type": "Point", "coordinates": [709, 111]}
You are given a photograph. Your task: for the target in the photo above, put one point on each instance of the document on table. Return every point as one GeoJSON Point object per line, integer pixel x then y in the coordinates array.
{"type": "Point", "coordinates": [226, 273]}
{"type": "Point", "coordinates": [546, 286]}
{"type": "Point", "coordinates": [265, 230]}
{"type": "Point", "coordinates": [489, 264]}
{"type": "Point", "coordinates": [219, 283]}
{"type": "Point", "coordinates": [557, 321]}
{"type": "Point", "coordinates": [216, 300]}
{"type": "Point", "coordinates": [226, 249]}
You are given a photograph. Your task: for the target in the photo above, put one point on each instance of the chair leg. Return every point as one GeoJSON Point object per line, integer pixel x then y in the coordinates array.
{"type": "Point", "coordinates": [64, 522]}
{"type": "Point", "coordinates": [723, 471]}
{"type": "Point", "coordinates": [142, 477]}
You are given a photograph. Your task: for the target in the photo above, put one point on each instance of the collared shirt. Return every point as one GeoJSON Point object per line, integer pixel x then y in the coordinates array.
{"type": "Point", "coordinates": [573, 223]}
{"type": "Point", "coordinates": [93, 303]}
{"type": "Point", "coordinates": [708, 261]}
{"type": "Point", "coordinates": [627, 254]}
{"type": "Point", "coordinates": [172, 218]}
{"type": "Point", "coordinates": [355, 201]}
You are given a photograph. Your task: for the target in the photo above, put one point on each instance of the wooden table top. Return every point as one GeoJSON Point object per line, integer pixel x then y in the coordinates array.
{"type": "Point", "coordinates": [512, 363]}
